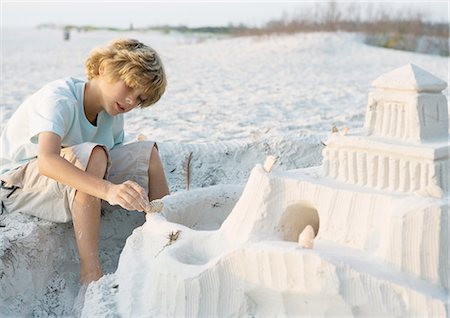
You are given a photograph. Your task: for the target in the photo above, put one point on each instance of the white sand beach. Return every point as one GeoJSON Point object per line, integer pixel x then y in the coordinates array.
{"type": "Point", "coordinates": [232, 102]}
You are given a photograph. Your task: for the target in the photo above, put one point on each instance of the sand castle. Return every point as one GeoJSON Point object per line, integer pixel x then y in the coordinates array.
{"type": "Point", "coordinates": [405, 147]}
{"type": "Point", "coordinates": [379, 206]}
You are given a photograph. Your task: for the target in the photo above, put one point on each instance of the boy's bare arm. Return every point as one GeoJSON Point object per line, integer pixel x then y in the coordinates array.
{"type": "Point", "coordinates": [128, 194]}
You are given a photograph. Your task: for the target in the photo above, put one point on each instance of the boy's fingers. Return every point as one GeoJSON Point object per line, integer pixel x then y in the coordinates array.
{"type": "Point", "coordinates": [141, 196]}
{"type": "Point", "coordinates": [135, 196]}
{"type": "Point", "coordinates": [130, 199]}
{"type": "Point", "coordinates": [124, 204]}
{"type": "Point", "coordinates": [129, 203]}
{"type": "Point", "coordinates": [137, 188]}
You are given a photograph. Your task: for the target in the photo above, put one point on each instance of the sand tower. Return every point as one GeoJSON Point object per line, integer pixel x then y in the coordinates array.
{"type": "Point", "coordinates": [404, 146]}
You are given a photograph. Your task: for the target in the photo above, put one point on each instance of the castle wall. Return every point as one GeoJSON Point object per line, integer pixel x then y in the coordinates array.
{"type": "Point", "coordinates": [414, 117]}
{"type": "Point", "coordinates": [408, 232]}
{"type": "Point", "coordinates": [375, 254]}
{"type": "Point", "coordinates": [359, 162]}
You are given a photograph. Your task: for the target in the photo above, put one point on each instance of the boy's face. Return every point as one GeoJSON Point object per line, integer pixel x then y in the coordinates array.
{"type": "Point", "coordinates": [118, 97]}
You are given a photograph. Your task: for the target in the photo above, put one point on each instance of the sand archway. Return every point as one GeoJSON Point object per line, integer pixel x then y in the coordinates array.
{"type": "Point", "coordinates": [295, 218]}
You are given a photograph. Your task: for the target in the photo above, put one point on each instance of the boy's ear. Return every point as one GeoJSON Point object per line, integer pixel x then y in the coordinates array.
{"type": "Point", "coordinates": [101, 71]}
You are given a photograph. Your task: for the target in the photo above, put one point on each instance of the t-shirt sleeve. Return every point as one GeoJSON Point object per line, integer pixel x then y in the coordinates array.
{"type": "Point", "coordinates": [51, 115]}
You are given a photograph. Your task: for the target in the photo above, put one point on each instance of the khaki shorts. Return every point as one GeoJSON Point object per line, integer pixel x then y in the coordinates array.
{"type": "Point", "coordinates": [25, 190]}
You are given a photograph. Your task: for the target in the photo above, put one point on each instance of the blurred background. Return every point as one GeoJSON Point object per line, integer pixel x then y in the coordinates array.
{"type": "Point", "coordinates": [235, 69]}
{"type": "Point", "coordinates": [420, 26]}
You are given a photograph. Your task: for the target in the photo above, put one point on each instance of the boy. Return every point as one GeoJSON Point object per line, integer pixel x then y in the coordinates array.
{"type": "Point", "coordinates": [61, 152]}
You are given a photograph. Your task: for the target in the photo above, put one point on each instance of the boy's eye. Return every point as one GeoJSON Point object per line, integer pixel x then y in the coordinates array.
{"type": "Point", "coordinates": [142, 99]}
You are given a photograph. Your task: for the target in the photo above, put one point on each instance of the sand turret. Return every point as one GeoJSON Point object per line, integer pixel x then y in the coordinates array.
{"type": "Point", "coordinates": [404, 146]}
{"type": "Point", "coordinates": [408, 104]}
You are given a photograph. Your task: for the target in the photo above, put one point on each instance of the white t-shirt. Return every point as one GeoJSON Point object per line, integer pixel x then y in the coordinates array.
{"type": "Point", "coordinates": [57, 107]}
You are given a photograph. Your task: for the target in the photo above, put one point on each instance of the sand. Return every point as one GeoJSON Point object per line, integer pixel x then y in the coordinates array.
{"type": "Point", "coordinates": [231, 102]}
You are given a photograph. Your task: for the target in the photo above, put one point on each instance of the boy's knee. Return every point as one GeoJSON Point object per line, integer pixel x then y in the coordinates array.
{"type": "Point", "coordinates": [98, 161]}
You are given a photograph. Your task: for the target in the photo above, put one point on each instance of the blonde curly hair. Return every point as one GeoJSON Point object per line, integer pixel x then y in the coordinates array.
{"type": "Point", "coordinates": [137, 64]}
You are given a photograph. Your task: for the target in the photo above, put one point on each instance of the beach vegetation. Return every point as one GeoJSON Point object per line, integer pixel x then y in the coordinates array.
{"type": "Point", "coordinates": [379, 24]}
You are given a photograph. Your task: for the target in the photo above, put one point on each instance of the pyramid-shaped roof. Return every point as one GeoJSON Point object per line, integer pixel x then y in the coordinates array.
{"type": "Point", "coordinates": [410, 77]}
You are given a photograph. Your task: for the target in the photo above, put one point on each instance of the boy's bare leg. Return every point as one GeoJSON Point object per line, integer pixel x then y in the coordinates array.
{"type": "Point", "coordinates": [157, 183]}
{"type": "Point", "coordinates": [86, 222]}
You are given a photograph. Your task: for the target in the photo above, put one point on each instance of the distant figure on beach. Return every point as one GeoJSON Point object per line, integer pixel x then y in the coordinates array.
{"type": "Point", "coordinates": [66, 34]}
{"type": "Point", "coordinates": [62, 152]}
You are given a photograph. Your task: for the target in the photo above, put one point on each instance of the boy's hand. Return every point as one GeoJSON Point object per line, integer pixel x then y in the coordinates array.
{"type": "Point", "coordinates": [128, 195]}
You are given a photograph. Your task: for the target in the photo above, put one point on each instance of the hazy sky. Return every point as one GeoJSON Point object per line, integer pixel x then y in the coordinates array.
{"type": "Point", "coordinates": [190, 13]}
